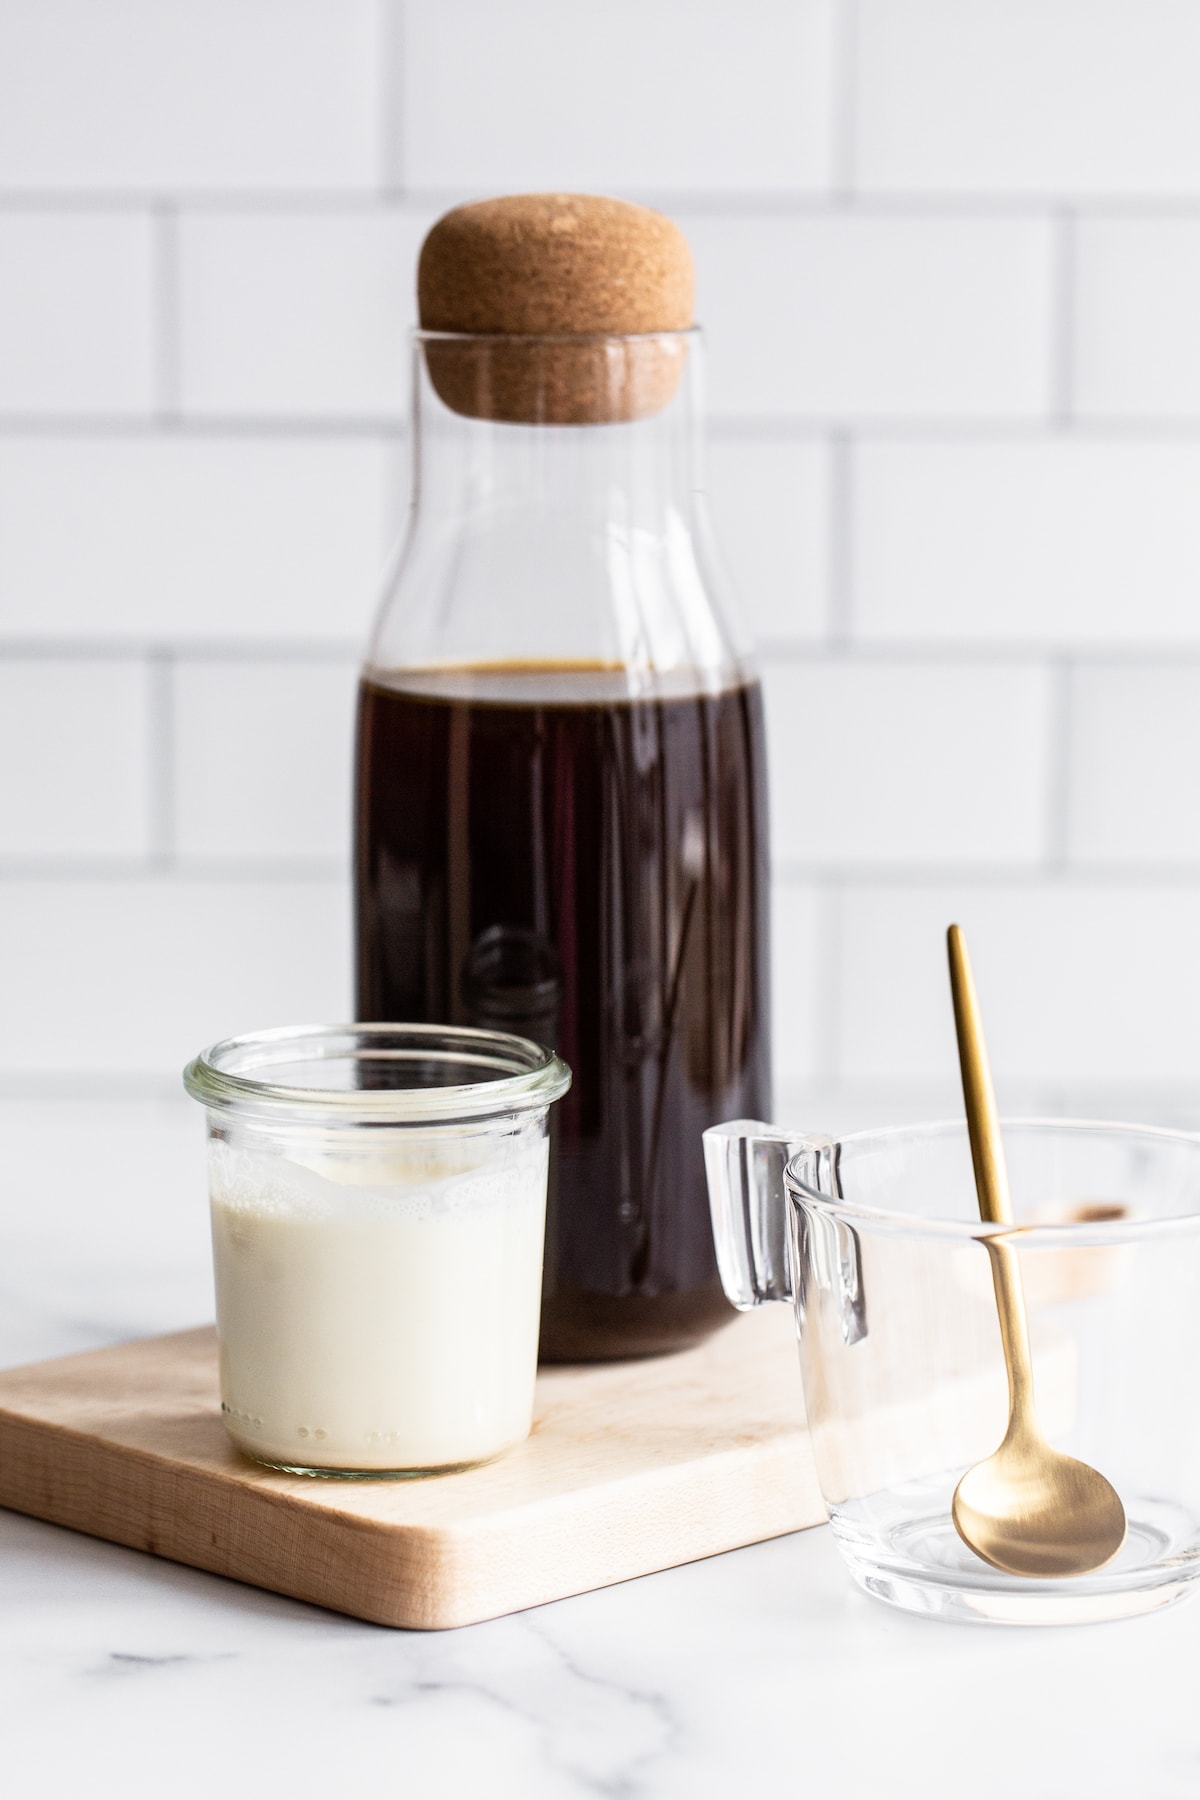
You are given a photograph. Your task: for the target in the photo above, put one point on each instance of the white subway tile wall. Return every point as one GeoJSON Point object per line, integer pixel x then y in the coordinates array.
{"type": "Point", "coordinates": [905, 763]}
{"type": "Point", "coordinates": [850, 318]}
{"type": "Point", "coordinates": [1136, 741]}
{"type": "Point", "coordinates": [262, 757]}
{"type": "Point", "coordinates": [1063, 540]}
{"type": "Point", "coordinates": [304, 315]}
{"type": "Point", "coordinates": [635, 96]}
{"type": "Point", "coordinates": [76, 314]}
{"type": "Point", "coordinates": [77, 747]}
{"type": "Point", "coordinates": [1048, 97]}
{"type": "Point", "coordinates": [770, 503]}
{"type": "Point", "coordinates": [949, 266]}
{"type": "Point", "coordinates": [177, 536]}
{"type": "Point", "coordinates": [126, 977]}
{"type": "Point", "coordinates": [1084, 983]}
{"type": "Point", "coordinates": [1138, 303]}
{"type": "Point", "coordinates": [159, 97]}
{"type": "Point", "coordinates": [797, 929]}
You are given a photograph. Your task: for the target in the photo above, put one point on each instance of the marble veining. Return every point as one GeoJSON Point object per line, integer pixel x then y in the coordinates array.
{"type": "Point", "coordinates": [601, 1733]}
{"type": "Point", "coordinates": [764, 1669]}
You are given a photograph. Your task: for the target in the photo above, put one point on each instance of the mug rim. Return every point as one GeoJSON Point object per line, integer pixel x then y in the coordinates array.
{"type": "Point", "coordinates": [1060, 1234]}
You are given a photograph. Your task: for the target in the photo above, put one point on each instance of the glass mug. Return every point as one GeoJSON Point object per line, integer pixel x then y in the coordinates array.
{"type": "Point", "coordinates": [378, 1198]}
{"type": "Point", "coordinates": [877, 1240]}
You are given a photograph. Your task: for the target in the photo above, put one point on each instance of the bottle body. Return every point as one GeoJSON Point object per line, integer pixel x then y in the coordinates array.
{"type": "Point", "coordinates": [591, 871]}
{"type": "Point", "coordinates": [573, 847]}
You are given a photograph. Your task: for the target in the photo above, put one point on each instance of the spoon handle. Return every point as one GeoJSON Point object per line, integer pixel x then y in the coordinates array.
{"type": "Point", "coordinates": [983, 1124]}
{"type": "Point", "coordinates": [991, 1178]}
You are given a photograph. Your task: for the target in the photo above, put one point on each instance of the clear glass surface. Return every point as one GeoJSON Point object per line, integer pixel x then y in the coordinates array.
{"type": "Point", "coordinates": [378, 1198]}
{"type": "Point", "coordinates": [903, 1370]}
{"type": "Point", "coordinates": [561, 805]}
{"type": "Point", "coordinates": [582, 548]}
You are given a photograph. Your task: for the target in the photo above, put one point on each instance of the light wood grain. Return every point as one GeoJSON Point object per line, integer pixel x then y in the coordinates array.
{"type": "Point", "coordinates": [631, 1467]}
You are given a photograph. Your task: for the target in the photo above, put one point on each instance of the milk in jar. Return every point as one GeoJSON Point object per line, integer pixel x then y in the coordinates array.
{"type": "Point", "coordinates": [378, 1311]}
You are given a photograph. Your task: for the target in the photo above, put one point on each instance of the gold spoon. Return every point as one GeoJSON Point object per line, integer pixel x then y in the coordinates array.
{"type": "Point", "coordinates": [1027, 1508]}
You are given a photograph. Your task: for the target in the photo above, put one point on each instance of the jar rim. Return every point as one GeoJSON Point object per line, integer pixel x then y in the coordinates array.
{"type": "Point", "coordinates": [516, 1075]}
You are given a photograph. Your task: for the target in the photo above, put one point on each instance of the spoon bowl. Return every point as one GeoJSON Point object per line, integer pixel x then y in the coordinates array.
{"type": "Point", "coordinates": [1029, 1510]}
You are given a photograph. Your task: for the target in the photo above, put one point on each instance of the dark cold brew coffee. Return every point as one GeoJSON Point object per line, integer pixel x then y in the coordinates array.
{"type": "Point", "coordinates": [541, 853]}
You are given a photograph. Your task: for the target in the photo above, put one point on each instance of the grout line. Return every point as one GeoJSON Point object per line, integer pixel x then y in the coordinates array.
{"type": "Point", "coordinates": [161, 749]}
{"type": "Point", "coordinates": [347, 650]}
{"type": "Point", "coordinates": [841, 531]}
{"type": "Point", "coordinates": [799, 202]}
{"type": "Point", "coordinates": [843, 156]}
{"type": "Point", "coordinates": [1050, 1096]}
{"type": "Point", "coordinates": [804, 202]}
{"type": "Point", "coordinates": [234, 870]}
{"type": "Point", "coordinates": [828, 984]}
{"type": "Point", "coordinates": [317, 868]}
{"type": "Point", "coordinates": [777, 652]}
{"type": "Point", "coordinates": [1085, 876]}
{"type": "Point", "coordinates": [844, 103]}
{"type": "Point", "coordinates": [234, 200]}
{"type": "Point", "coordinates": [1142, 878]}
{"type": "Point", "coordinates": [1064, 254]}
{"type": "Point", "coordinates": [167, 333]}
{"type": "Point", "coordinates": [391, 53]}
{"type": "Point", "coordinates": [1034, 1095]}
{"type": "Point", "coordinates": [237, 425]}
{"type": "Point", "coordinates": [396, 475]}
{"type": "Point", "coordinates": [1058, 794]}
{"type": "Point", "coordinates": [344, 650]}
{"type": "Point", "coordinates": [92, 1085]}
{"type": "Point", "coordinates": [981, 430]}
{"type": "Point", "coordinates": [990, 653]}
{"type": "Point", "coordinates": [867, 655]}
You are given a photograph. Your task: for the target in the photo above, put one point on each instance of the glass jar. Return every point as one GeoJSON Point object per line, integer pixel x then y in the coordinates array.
{"type": "Point", "coordinates": [378, 1207]}
{"type": "Point", "coordinates": [561, 800]}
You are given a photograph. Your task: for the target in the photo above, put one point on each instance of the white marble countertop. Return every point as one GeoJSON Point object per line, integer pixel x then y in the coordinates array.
{"type": "Point", "coordinates": [123, 1675]}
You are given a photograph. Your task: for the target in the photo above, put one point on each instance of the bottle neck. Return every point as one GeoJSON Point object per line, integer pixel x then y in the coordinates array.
{"type": "Point", "coordinates": [571, 543]}
{"type": "Point", "coordinates": [608, 467]}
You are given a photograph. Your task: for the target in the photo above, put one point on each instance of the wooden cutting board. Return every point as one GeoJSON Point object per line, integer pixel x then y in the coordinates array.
{"type": "Point", "coordinates": [631, 1467]}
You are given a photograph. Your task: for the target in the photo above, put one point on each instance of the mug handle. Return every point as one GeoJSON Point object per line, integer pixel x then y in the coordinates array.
{"type": "Point", "coordinates": [744, 1162]}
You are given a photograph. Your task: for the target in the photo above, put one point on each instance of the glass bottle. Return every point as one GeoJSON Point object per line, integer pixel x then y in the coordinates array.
{"type": "Point", "coordinates": [560, 809]}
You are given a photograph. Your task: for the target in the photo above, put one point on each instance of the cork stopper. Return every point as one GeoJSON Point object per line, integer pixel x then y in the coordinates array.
{"type": "Point", "coordinates": [571, 289]}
